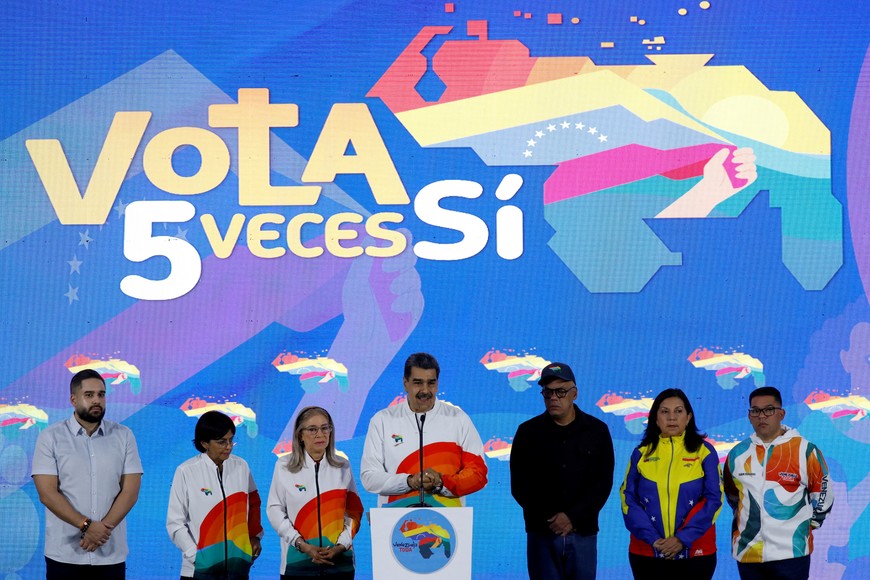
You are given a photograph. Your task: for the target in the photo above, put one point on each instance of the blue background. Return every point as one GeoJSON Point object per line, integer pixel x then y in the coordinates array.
{"type": "Point", "coordinates": [316, 54]}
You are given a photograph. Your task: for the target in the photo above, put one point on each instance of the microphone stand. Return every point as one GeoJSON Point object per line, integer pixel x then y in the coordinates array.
{"type": "Point", "coordinates": [422, 502]}
{"type": "Point", "coordinates": [319, 522]}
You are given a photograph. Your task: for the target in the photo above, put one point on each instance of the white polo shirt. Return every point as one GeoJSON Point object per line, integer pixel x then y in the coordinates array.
{"type": "Point", "coordinates": [89, 471]}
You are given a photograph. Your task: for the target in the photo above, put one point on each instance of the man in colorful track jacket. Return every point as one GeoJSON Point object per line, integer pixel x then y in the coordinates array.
{"type": "Point", "coordinates": [777, 483]}
{"type": "Point", "coordinates": [453, 463]}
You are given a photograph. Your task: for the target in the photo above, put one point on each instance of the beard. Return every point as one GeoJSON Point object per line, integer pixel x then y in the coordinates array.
{"type": "Point", "coordinates": [89, 416]}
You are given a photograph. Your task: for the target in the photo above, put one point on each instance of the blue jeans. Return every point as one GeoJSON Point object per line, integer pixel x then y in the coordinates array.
{"type": "Point", "coordinates": [552, 557]}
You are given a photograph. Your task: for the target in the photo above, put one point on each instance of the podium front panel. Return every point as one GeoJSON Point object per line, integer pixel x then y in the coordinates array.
{"type": "Point", "coordinates": [432, 543]}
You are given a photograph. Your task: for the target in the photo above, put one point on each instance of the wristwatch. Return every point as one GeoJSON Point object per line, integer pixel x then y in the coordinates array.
{"type": "Point", "coordinates": [438, 488]}
{"type": "Point", "coordinates": [84, 527]}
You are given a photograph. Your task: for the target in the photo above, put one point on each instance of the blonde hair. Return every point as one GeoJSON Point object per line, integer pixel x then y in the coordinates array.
{"type": "Point", "coordinates": [297, 457]}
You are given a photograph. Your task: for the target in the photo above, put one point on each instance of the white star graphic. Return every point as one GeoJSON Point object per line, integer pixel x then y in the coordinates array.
{"type": "Point", "coordinates": [653, 518]}
{"type": "Point", "coordinates": [646, 499]}
{"type": "Point", "coordinates": [74, 265]}
{"type": "Point", "coordinates": [565, 125]}
{"type": "Point", "coordinates": [551, 127]}
{"type": "Point", "coordinates": [85, 239]}
{"type": "Point", "coordinates": [120, 207]}
{"type": "Point", "coordinates": [72, 294]}
{"type": "Point", "coordinates": [539, 134]}
{"type": "Point", "coordinates": [580, 126]}
{"type": "Point", "coordinates": [531, 142]}
{"type": "Point", "coordinates": [592, 130]}
{"type": "Point", "coordinates": [691, 502]}
{"type": "Point", "coordinates": [181, 234]}
{"type": "Point", "coordinates": [527, 153]}
{"type": "Point", "coordinates": [602, 138]}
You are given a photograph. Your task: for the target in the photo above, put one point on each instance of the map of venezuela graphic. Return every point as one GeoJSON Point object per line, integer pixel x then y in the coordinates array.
{"type": "Point", "coordinates": [629, 143]}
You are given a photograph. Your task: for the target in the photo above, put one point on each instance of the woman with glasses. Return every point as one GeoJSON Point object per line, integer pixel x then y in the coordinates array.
{"type": "Point", "coordinates": [672, 494]}
{"type": "Point", "coordinates": [313, 503]}
{"type": "Point", "coordinates": [214, 506]}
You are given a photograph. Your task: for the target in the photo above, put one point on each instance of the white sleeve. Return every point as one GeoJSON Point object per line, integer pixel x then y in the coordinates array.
{"type": "Point", "coordinates": [373, 471]}
{"type": "Point", "coordinates": [276, 508]}
{"type": "Point", "coordinates": [44, 462]}
{"type": "Point", "coordinates": [178, 517]}
{"type": "Point", "coordinates": [132, 462]}
{"type": "Point", "coordinates": [471, 441]}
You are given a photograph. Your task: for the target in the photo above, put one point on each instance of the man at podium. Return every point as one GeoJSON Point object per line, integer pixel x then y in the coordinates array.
{"type": "Point", "coordinates": [453, 460]}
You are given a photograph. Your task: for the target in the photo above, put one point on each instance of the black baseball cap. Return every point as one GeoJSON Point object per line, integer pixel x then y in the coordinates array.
{"type": "Point", "coordinates": [556, 370]}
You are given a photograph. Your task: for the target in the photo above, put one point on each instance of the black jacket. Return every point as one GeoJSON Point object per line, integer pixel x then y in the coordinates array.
{"type": "Point", "coordinates": [562, 469]}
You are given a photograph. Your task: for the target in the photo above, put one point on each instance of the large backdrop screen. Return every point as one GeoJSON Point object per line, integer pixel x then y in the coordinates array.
{"type": "Point", "coordinates": [258, 206]}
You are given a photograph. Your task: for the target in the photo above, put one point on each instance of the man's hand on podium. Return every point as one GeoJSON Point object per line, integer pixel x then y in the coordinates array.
{"type": "Point", "coordinates": [414, 481]}
{"type": "Point", "coordinates": [432, 481]}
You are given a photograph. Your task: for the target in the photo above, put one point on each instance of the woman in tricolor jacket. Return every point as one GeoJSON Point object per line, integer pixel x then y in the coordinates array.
{"type": "Point", "coordinates": [214, 506]}
{"type": "Point", "coordinates": [672, 495]}
{"type": "Point", "coordinates": [313, 503]}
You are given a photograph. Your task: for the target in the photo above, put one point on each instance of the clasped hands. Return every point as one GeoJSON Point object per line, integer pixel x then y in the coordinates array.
{"type": "Point", "coordinates": [98, 533]}
{"type": "Point", "coordinates": [320, 555]}
{"type": "Point", "coordinates": [560, 524]}
{"type": "Point", "coordinates": [669, 547]}
{"type": "Point", "coordinates": [429, 479]}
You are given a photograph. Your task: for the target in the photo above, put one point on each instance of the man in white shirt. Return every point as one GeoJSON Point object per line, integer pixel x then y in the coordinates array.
{"type": "Point", "coordinates": [87, 473]}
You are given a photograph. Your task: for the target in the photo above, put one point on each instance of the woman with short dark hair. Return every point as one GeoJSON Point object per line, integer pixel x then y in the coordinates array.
{"type": "Point", "coordinates": [214, 503]}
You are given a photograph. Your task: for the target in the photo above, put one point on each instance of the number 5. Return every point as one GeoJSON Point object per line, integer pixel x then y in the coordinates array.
{"type": "Point", "coordinates": [185, 264]}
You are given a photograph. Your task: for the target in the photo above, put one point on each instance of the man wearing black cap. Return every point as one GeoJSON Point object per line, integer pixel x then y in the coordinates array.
{"type": "Point", "coordinates": [561, 475]}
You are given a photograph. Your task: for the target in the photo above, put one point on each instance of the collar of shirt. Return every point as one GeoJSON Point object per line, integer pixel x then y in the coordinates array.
{"type": "Point", "coordinates": [76, 428]}
{"type": "Point", "coordinates": [787, 433]}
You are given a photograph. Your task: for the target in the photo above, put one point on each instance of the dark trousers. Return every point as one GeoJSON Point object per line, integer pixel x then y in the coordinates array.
{"type": "Point", "coordinates": [697, 568]}
{"type": "Point", "coordinates": [791, 569]}
{"type": "Point", "coordinates": [339, 576]}
{"type": "Point", "coordinates": [60, 571]}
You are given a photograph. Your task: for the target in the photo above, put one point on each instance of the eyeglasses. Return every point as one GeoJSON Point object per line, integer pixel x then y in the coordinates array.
{"type": "Point", "coordinates": [225, 442]}
{"type": "Point", "coordinates": [768, 411]}
{"type": "Point", "coordinates": [327, 429]}
{"type": "Point", "coordinates": [560, 393]}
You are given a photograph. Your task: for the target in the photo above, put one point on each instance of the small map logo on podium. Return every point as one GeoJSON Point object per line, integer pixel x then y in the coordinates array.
{"type": "Point", "coordinates": [423, 541]}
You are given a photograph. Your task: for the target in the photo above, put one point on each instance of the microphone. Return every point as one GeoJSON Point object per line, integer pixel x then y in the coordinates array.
{"type": "Point", "coordinates": [422, 502]}
{"type": "Point", "coordinates": [317, 488]}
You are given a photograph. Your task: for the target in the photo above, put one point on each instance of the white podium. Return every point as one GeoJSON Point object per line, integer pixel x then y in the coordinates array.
{"type": "Point", "coordinates": [431, 543]}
